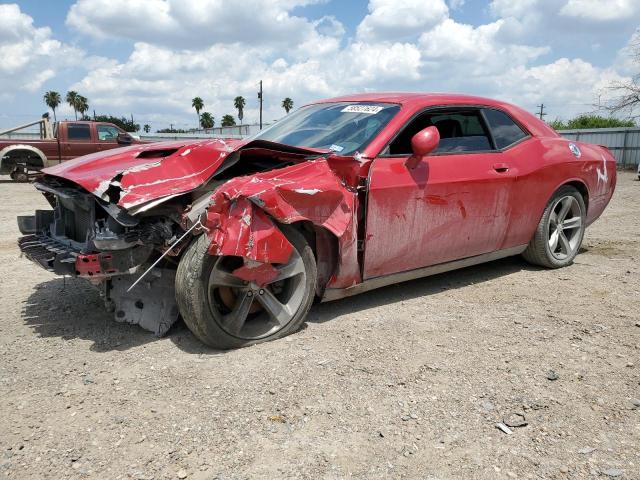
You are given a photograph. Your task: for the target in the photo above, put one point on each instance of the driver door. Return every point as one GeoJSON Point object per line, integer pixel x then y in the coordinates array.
{"type": "Point", "coordinates": [107, 136]}
{"type": "Point", "coordinates": [453, 205]}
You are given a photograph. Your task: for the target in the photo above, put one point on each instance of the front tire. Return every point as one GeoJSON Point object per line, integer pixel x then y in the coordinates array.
{"type": "Point", "coordinates": [225, 312]}
{"type": "Point", "coordinates": [559, 235]}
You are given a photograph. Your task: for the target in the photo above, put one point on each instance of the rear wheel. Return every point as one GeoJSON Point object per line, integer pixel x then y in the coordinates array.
{"type": "Point", "coordinates": [226, 312]}
{"type": "Point", "coordinates": [560, 231]}
{"type": "Point", "coordinates": [19, 174]}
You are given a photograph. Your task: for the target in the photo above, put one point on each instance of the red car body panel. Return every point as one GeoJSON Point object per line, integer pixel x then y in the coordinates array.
{"type": "Point", "coordinates": [385, 217]}
{"type": "Point", "coordinates": [237, 224]}
{"type": "Point", "coordinates": [444, 213]}
{"type": "Point", "coordinates": [142, 178]}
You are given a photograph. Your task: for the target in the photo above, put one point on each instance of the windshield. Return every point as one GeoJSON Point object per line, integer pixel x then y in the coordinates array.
{"type": "Point", "coordinates": [345, 127]}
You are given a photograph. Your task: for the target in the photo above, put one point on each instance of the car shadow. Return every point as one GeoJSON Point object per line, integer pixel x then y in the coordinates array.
{"type": "Point", "coordinates": [70, 308]}
{"type": "Point", "coordinates": [418, 288]}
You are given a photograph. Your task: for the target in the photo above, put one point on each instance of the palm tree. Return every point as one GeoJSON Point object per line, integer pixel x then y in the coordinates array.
{"type": "Point", "coordinates": [52, 99]}
{"type": "Point", "coordinates": [287, 104]}
{"type": "Point", "coordinates": [239, 103]}
{"type": "Point", "coordinates": [82, 105]}
{"type": "Point", "coordinates": [228, 121]}
{"type": "Point", "coordinates": [207, 120]}
{"type": "Point", "coordinates": [72, 101]}
{"type": "Point", "coordinates": [198, 104]}
{"type": "Point", "coordinates": [146, 128]}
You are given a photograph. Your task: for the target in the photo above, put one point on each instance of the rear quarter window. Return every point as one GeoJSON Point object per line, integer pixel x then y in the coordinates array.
{"type": "Point", "coordinates": [78, 131]}
{"type": "Point", "coordinates": [505, 131]}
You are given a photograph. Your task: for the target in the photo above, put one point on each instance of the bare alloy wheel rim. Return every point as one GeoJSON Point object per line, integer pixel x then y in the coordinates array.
{"type": "Point", "coordinates": [248, 311]}
{"type": "Point", "coordinates": [565, 227]}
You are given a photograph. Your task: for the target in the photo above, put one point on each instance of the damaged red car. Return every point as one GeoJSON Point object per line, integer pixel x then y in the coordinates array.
{"type": "Point", "coordinates": [340, 197]}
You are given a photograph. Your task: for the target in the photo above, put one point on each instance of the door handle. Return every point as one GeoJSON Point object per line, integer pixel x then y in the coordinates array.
{"type": "Point", "coordinates": [501, 167]}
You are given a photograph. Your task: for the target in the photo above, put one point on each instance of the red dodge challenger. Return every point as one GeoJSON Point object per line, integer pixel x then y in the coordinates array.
{"type": "Point", "coordinates": [340, 197]}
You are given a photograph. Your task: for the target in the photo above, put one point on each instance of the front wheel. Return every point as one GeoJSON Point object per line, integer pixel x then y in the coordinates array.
{"type": "Point", "coordinates": [560, 231]}
{"type": "Point", "coordinates": [225, 312]}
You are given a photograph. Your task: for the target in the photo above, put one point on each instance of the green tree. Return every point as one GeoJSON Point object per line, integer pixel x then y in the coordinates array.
{"type": "Point", "coordinates": [72, 98]}
{"type": "Point", "coordinates": [557, 124]}
{"type": "Point", "coordinates": [53, 100]}
{"type": "Point", "coordinates": [171, 130]}
{"type": "Point", "coordinates": [146, 128]}
{"type": "Point", "coordinates": [81, 104]}
{"type": "Point", "coordinates": [198, 104]}
{"type": "Point", "coordinates": [591, 121]}
{"type": "Point", "coordinates": [207, 120]}
{"type": "Point", "coordinates": [239, 103]}
{"type": "Point", "coordinates": [287, 104]}
{"type": "Point", "coordinates": [228, 121]}
{"type": "Point", "coordinates": [124, 123]}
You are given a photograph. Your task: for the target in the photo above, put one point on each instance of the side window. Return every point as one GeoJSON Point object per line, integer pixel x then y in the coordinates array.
{"type": "Point", "coordinates": [460, 131]}
{"type": "Point", "coordinates": [78, 131]}
{"type": "Point", "coordinates": [107, 133]}
{"type": "Point", "coordinates": [505, 131]}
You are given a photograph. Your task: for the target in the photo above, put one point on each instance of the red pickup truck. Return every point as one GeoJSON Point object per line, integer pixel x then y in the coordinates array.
{"type": "Point", "coordinates": [70, 139]}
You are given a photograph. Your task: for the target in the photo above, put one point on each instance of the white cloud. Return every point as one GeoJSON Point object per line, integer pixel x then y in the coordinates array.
{"type": "Point", "coordinates": [30, 56]}
{"type": "Point", "coordinates": [195, 24]}
{"type": "Point", "coordinates": [560, 21]}
{"type": "Point", "coordinates": [416, 46]}
{"type": "Point", "coordinates": [218, 53]}
{"type": "Point", "coordinates": [478, 46]}
{"type": "Point", "coordinates": [515, 8]}
{"type": "Point", "coordinates": [601, 10]}
{"type": "Point", "coordinates": [392, 20]}
{"type": "Point", "coordinates": [564, 86]}
{"type": "Point", "coordinates": [158, 78]}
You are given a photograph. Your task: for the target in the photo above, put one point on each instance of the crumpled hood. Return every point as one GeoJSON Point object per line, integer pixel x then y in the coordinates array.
{"type": "Point", "coordinates": [143, 173]}
{"type": "Point", "coordinates": [147, 172]}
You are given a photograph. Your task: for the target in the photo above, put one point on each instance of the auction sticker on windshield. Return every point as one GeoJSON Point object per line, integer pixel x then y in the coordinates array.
{"type": "Point", "coordinates": [362, 109]}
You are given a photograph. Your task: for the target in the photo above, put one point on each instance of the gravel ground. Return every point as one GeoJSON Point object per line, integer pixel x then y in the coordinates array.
{"type": "Point", "coordinates": [405, 382]}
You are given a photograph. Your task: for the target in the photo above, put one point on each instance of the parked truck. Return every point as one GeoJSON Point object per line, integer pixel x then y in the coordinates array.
{"type": "Point", "coordinates": [63, 141]}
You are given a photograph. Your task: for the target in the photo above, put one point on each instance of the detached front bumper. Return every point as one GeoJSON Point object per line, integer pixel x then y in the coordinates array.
{"type": "Point", "coordinates": [64, 258]}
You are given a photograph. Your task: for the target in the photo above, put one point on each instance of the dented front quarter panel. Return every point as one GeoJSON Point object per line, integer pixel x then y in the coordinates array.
{"type": "Point", "coordinates": [242, 214]}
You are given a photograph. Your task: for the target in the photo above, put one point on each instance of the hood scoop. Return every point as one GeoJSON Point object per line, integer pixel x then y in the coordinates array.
{"type": "Point", "coordinates": [161, 153]}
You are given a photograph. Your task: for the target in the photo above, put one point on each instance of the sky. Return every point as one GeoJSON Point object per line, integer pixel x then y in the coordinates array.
{"type": "Point", "coordinates": [149, 58]}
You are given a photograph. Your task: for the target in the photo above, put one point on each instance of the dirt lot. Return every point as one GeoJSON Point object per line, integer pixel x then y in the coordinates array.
{"type": "Point", "coordinates": [405, 382]}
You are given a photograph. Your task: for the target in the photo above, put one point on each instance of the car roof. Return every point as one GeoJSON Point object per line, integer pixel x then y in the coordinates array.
{"type": "Point", "coordinates": [414, 98]}
{"type": "Point", "coordinates": [422, 100]}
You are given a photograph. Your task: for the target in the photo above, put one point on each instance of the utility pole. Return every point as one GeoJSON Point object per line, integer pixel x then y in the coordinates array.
{"type": "Point", "coordinates": [541, 114]}
{"type": "Point", "coordinates": [260, 98]}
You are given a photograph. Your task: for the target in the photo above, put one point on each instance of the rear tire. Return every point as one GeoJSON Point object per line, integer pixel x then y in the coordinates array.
{"type": "Point", "coordinates": [212, 301]}
{"type": "Point", "coordinates": [19, 175]}
{"type": "Point", "coordinates": [559, 235]}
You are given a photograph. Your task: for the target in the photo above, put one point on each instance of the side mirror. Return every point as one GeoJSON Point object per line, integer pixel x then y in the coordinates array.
{"type": "Point", "coordinates": [423, 143]}
{"type": "Point", "coordinates": [124, 139]}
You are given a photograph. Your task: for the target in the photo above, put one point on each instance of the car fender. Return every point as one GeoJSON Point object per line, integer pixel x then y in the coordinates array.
{"type": "Point", "coordinates": [243, 214]}
{"type": "Point", "coordinates": [20, 147]}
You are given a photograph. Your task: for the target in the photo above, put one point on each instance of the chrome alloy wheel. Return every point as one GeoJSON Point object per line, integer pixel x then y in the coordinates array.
{"type": "Point", "coordinates": [249, 311]}
{"type": "Point", "coordinates": [565, 227]}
